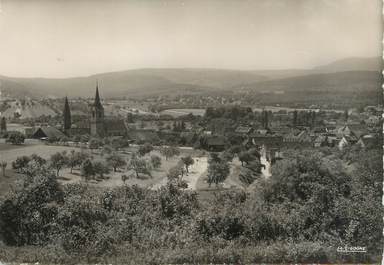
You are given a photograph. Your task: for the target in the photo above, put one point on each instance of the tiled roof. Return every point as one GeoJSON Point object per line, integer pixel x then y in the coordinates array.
{"type": "Point", "coordinates": [50, 132]}
{"type": "Point", "coordinates": [115, 125]}
{"type": "Point", "coordinates": [243, 129]}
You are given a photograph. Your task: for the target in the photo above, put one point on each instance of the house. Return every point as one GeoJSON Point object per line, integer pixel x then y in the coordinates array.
{"type": "Point", "coordinates": [267, 140]}
{"type": "Point", "coordinates": [320, 141]}
{"type": "Point", "coordinates": [48, 132]}
{"type": "Point", "coordinates": [298, 139]}
{"type": "Point", "coordinates": [344, 130]}
{"type": "Point", "coordinates": [373, 109]}
{"type": "Point", "coordinates": [143, 136]}
{"type": "Point", "coordinates": [330, 128]}
{"type": "Point", "coordinates": [332, 139]}
{"type": "Point", "coordinates": [216, 143]}
{"type": "Point", "coordinates": [204, 132]}
{"type": "Point", "coordinates": [280, 130]}
{"type": "Point", "coordinates": [271, 144]}
{"type": "Point", "coordinates": [115, 127]}
{"type": "Point", "coordinates": [372, 120]}
{"type": "Point", "coordinates": [263, 131]}
{"type": "Point", "coordinates": [319, 130]}
{"type": "Point", "coordinates": [78, 131]}
{"type": "Point", "coordinates": [356, 130]}
{"type": "Point", "coordinates": [243, 130]}
{"type": "Point", "coordinates": [370, 141]}
{"type": "Point", "coordinates": [346, 141]}
{"type": "Point", "coordinates": [16, 127]}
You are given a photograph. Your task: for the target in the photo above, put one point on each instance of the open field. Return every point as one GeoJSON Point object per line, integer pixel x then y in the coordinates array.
{"type": "Point", "coordinates": [181, 112]}
{"type": "Point", "coordinates": [288, 109]}
{"type": "Point", "coordinates": [201, 112]}
{"type": "Point", "coordinates": [10, 152]}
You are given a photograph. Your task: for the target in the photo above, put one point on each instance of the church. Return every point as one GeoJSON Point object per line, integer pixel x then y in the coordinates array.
{"type": "Point", "coordinates": [99, 124]}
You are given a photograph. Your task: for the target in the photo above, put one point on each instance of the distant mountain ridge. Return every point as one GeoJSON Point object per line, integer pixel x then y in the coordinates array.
{"type": "Point", "coordinates": [353, 64]}
{"type": "Point", "coordinates": [346, 89]}
{"type": "Point", "coordinates": [153, 82]}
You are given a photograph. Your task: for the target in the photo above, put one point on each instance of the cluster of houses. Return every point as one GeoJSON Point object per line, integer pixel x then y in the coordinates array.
{"type": "Point", "coordinates": [330, 136]}
{"type": "Point", "coordinates": [274, 139]}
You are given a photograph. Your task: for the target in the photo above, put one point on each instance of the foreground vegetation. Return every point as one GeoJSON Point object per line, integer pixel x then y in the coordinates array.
{"type": "Point", "coordinates": [308, 208]}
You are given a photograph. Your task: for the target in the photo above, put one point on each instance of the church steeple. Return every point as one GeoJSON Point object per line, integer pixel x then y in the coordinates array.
{"type": "Point", "coordinates": [97, 97]}
{"type": "Point", "coordinates": [67, 115]}
{"type": "Point", "coordinates": [97, 115]}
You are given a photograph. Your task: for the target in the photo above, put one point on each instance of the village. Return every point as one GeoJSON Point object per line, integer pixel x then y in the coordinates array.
{"type": "Point", "coordinates": [115, 144]}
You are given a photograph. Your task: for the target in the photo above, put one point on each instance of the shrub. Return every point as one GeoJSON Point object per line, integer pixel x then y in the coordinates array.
{"type": "Point", "coordinates": [15, 138]}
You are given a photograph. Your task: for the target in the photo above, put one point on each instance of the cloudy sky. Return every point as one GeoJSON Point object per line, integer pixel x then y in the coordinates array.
{"type": "Point", "coordinates": [65, 38]}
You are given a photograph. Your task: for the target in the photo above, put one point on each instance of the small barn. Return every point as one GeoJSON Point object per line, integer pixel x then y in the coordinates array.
{"type": "Point", "coordinates": [48, 132]}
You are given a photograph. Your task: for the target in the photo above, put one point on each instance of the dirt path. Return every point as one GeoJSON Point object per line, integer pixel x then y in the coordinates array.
{"type": "Point", "coordinates": [195, 172]}
{"type": "Point", "coordinates": [266, 172]}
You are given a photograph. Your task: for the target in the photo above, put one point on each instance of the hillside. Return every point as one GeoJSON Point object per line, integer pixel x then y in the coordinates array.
{"type": "Point", "coordinates": [352, 87]}
{"type": "Point", "coordinates": [28, 109]}
{"type": "Point", "coordinates": [138, 83]}
{"type": "Point", "coordinates": [16, 89]}
{"type": "Point", "coordinates": [352, 64]}
{"type": "Point", "coordinates": [141, 83]}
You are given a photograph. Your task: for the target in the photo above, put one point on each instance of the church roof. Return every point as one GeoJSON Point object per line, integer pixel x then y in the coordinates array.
{"type": "Point", "coordinates": [115, 125]}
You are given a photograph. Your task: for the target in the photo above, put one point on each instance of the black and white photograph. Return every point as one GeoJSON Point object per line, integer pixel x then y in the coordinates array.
{"type": "Point", "coordinates": [191, 132]}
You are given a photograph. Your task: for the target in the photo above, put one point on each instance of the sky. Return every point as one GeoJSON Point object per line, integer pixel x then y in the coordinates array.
{"type": "Point", "coordinates": [66, 38]}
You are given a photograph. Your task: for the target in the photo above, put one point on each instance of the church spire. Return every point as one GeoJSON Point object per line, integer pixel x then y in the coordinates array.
{"type": "Point", "coordinates": [97, 97]}
{"type": "Point", "coordinates": [67, 115]}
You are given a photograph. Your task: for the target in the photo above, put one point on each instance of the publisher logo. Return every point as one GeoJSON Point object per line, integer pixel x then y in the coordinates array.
{"type": "Point", "coordinates": [347, 249]}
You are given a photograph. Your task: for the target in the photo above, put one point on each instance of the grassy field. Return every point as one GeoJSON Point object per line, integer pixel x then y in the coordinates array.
{"type": "Point", "coordinates": [5, 147]}
{"type": "Point", "coordinates": [10, 152]}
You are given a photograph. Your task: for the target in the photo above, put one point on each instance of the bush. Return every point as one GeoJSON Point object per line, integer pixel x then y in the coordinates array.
{"type": "Point", "coordinates": [20, 163]}
{"type": "Point", "coordinates": [155, 161]}
{"type": "Point", "coordinates": [300, 214]}
{"type": "Point", "coordinates": [15, 138]}
{"type": "Point", "coordinates": [145, 149]}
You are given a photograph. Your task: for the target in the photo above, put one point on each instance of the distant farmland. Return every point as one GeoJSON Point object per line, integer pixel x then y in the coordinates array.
{"type": "Point", "coordinates": [182, 112]}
